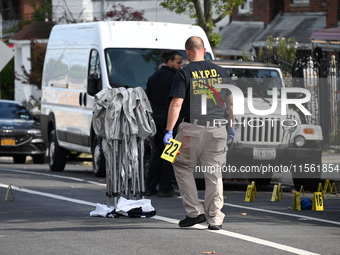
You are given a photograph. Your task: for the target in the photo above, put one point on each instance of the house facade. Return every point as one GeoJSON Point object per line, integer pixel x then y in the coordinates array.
{"type": "Point", "coordinates": [242, 35]}
{"type": "Point", "coordinates": [71, 11]}
{"type": "Point", "coordinates": [248, 30]}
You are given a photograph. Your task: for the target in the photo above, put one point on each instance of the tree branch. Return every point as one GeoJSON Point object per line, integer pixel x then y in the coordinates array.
{"type": "Point", "coordinates": [208, 11]}
{"type": "Point", "coordinates": [200, 15]}
{"type": "Point", "coordinates": [219, 18]}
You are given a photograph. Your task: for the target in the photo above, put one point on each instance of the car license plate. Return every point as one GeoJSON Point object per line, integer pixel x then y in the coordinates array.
{"type": "Point", "coordinates": [7, 142]}
{"type": "Point", "coordinates": [264, 153]}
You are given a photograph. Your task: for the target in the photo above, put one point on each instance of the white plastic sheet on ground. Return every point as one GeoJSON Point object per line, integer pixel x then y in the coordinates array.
{"type": "Point", "coordinates": [101, 210]}
{"type": "Point", "coordinates": [123, 206]}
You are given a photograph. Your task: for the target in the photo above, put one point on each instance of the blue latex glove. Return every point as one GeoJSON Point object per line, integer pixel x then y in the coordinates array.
{"type": "Point", "coordinates": [167, 137]}
{"type": "Point", "coordinates": [231, 133]}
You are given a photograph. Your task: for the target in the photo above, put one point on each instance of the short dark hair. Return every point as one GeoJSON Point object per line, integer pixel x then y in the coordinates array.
{"type": "Point", "coordinates": [171, 54]}
{"type": "Point", "coordinates": [194, 43]}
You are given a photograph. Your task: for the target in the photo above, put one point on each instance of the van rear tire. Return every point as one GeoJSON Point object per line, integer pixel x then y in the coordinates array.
{"type": "Point", "coordinates": [56, 155]}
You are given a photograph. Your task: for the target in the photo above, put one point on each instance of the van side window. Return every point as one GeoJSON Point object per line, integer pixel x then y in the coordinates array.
{"type": "Point", "coordinates": [94, 83]}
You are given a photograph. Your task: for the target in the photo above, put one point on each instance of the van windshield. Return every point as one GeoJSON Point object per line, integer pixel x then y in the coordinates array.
{"type": "Point", "coordinates": [262, 81]}
{"type": "Point", "coordinates": [133, 67]}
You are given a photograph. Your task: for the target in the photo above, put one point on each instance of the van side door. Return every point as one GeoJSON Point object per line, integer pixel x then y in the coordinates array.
{"type": "Point", "coordinates": [94, 85]}
{"type": "Point", "coordinates": [76, 87]}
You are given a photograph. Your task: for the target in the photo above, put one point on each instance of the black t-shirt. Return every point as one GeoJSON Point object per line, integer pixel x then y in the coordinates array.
{"type": "Point", "coordinates": [196, 79]}
{"type": "Point", "coordinates": [158, 87]}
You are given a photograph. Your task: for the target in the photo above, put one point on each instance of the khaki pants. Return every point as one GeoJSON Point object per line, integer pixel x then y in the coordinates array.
{"type": "Point", "coordinates": [208, 144]}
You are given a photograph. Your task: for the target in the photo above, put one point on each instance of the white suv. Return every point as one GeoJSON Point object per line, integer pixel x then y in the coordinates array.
{"type": "Point", "coordinates": [281, 141]}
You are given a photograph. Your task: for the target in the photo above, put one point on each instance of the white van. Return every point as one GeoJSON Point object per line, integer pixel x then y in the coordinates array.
{"type": "Point", "coordinates": [81, 59]}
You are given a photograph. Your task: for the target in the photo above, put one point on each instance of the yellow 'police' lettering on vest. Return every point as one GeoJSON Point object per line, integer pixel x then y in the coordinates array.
{"type": "Point", "coordinates": [202, 83]}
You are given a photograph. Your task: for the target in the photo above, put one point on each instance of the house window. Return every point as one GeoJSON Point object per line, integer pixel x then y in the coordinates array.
{"type": "Point", "coordinates": [246, 7]}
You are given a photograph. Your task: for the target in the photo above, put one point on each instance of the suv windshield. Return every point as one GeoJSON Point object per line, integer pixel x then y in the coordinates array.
{"type": "Point", "coordinates": [133, 67]}
{"type": "Point", "coordinates": [13, 111]}
{"type": "Point", "coordinates": [261, 80]}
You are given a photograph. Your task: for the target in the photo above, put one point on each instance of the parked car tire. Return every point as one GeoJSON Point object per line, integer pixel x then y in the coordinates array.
{"type": "Point", "coordinates": [56, 154]}
{"type": "Point", "coordinates": [19, 159]}
{"type": "Point", "coordinates": [38, 159]}
{"type": "Point", "coordinates": [98, 158]}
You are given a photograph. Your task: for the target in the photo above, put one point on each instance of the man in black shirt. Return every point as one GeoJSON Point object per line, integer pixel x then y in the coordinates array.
{"type": "Point", "coordinates": [157, 89]}
{"type": "Point", "coordinates": [202, 106]}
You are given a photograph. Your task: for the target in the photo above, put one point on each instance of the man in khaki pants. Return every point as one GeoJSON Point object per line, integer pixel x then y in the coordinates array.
{"type": "Point", "coordinates": [201, 134]}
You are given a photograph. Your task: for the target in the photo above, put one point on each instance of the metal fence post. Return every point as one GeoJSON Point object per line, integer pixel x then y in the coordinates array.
{"type": "Point", "coordinates": [324, 104]}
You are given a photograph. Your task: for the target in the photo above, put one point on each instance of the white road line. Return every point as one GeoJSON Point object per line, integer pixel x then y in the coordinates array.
{"type": "Point", "coordinates": [226, 204]}
{"type": "Point", "coordinates": [174, 221]}
{"type": "Point", "coordinates": [56, 176]}
{"type": "Point", "coordinates": [244, 237]}
{"type": "Point", "coordinates": [282, 213]}
{"type": "Point", "coordinates": [48, 195]}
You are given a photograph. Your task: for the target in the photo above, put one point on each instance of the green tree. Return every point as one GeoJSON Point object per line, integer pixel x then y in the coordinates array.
{"type": "Point", "coordinates": [279, 48]}
{"type": "Point", "coordinates": [206, 13]}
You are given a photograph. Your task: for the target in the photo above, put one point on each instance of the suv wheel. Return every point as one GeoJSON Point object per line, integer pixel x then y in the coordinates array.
{"type": "Point", "coordinates": [19, 159]}
{"type": "Point", "coordinates": [38, 159]}
{"type": "Point", "coordinates": [98, 159]}
{"type": "Point", "coordinates": [56, 154]}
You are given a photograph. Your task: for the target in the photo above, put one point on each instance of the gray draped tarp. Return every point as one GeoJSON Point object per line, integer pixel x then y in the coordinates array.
{"type": "Point", "coordinates": [122, 117]}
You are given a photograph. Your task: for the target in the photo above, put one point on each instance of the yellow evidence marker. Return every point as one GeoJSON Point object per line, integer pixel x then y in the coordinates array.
{"type": "Point", "coordinates": [318, 201]}
{"type": "Point", "coordinates": [171, 150]}
{"type": "Point", "coordinates": [250, 193]}
{"type": "Point", "coordinates": [297, 202]}
{"type": "Point", "coordinates": [277, 193]}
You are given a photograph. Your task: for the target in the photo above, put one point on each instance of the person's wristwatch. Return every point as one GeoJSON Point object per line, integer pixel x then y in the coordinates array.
{"type": "Point", "coordinates": [166, 131]}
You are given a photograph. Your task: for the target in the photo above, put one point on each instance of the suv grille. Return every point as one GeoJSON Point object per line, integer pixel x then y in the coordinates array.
{"type": "Point", "coordinates": [19, 136]}
{"type": "Point", "coordinates": [260, 129]}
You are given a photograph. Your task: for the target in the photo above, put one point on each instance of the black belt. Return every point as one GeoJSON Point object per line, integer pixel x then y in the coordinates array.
{"type": "Point", "coordinates": [160, 112]}
{"type": "Point", "coordinates": [206, 123]}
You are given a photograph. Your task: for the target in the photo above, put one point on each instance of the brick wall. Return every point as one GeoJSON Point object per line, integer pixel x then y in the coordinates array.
{"type": "Point", "coordinates": [263, 10]}
{"type": "Point", "coordinates": [312, 6]}
{"type": "Point", "coordinates": [332, 13]}
{"type": "Point", "coordinates": [267, 10]}
{"type": "Point", "coordinates": [26, 9]}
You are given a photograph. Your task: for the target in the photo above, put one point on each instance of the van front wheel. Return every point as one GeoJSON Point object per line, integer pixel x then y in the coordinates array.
{"type": "Point", "coordinates": [56, 154]}
{"type": "Point", "coordinates": [98, 159]}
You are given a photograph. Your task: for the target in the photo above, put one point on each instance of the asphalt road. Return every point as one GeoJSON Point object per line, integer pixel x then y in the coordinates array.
{"type": "Point", "coordinates": [50, 215]}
